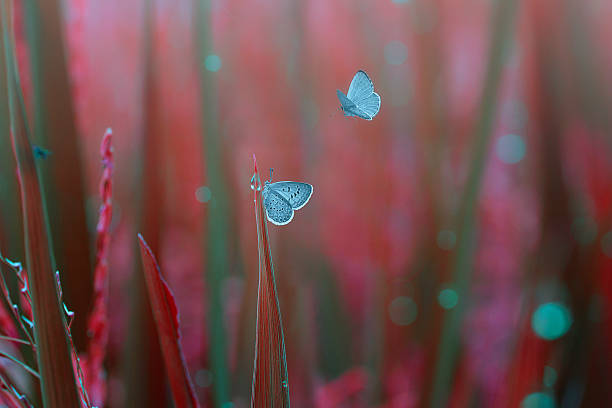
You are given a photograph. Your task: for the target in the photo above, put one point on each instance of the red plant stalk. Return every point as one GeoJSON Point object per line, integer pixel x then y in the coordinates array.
{"type": "Point", "coordinates": [166, 318]}
{"type": "Point", "coordinates": [98, 324]}
{"type": "Point", "coordinates": [58, 383]}
{"type": "Point", "coordinates": [270, 381]}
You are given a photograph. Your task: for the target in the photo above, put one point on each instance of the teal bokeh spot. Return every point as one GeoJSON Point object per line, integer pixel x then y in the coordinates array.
{"type": "Point", "coordinates": [550, 376]}
{"type": "Point", "coordinates": [448, 298]}
{"type": "Point", "coordinates": [551, 320]}
{"type": "Point", "coordinates": [538, 400]}
{"type": "Point", "coordinates": [446, 239]}
{"type": "Point", "coordinates": [511, 148]}
{"type": "Point", "coordinates": [401, 1]}
{"type": "Point", "coordinates": [403, 311]}
{"type": "Point", "coordinates": [212, 63]}
{"type": "Point", "coordinates": [395, 53]}
{"type": "Point", "coordinates": [203, 194]}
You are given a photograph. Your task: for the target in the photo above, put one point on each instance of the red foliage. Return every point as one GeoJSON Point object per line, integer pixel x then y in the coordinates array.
{"type": "Point", "coordinates": [166, 318]}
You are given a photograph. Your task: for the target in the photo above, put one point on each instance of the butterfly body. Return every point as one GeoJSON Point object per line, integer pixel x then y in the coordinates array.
{"type": "Point", "coordinates": [282, 198]}
{"type": "Point", "coordinates": [361, 100]}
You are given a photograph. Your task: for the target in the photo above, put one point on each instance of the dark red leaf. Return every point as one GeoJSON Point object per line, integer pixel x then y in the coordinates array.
{"type": "Point", "coordinates": [166, 318]}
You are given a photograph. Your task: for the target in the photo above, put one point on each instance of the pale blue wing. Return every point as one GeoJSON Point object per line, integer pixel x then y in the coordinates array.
{"type": "Point", "coordinates": [359, 113]}
{"type": "Point", "coordinates": [297, 194]}
{"type": "Point", "coordinates": [370, 106]}
{"type": "Point", "coordinates": [361, 87]}
{"type": "Point", "coordinates": [346, 103]}
{"type": "Point", "coordinates": [278, 209]}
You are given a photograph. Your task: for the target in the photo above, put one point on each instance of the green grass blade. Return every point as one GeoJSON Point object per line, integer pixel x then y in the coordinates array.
{"type": "Point", "coordinates": [502, 28]}
{"type": "Point", "coordinates": [218, 209]}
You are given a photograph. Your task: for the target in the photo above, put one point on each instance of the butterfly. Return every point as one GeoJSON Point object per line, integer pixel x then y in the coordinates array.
{"type": "Point", "coordinates": [361, 100]}
{"type": "Point", "coordinates": [282, 198]}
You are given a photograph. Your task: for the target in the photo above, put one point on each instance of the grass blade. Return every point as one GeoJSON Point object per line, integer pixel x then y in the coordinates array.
{"type": "Point", "coordinates": [218, 217]}
{"type": "Point", "coordinates": [58, 384]}
{"type": "Point", "coordinates": [270, 381]}
{"type": "Point", "coordinates": [166, 318]}
{"type": "Point", "coordinates": [55, 129]}
{"type": "Point", "coordinates": [504, 13]}
{"type": "Point", "coordinates": [142, 354]}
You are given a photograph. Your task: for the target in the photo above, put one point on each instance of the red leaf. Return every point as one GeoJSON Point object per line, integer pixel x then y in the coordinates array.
{"type": "Point", "coordinates": [166, 318]}
{"type": "Point", "coordinates": [58, 384]}
{"type": "Point", "coordinates": [270, 382]}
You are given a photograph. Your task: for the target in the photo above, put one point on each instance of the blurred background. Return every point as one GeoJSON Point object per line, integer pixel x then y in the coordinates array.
{"type": "Point", "coordinates": [456, 252]}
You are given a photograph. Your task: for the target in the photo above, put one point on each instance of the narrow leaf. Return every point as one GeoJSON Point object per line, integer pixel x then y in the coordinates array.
{"type": "Point", "coordinates": [58, 384]}
{"type": "Point", "coordinates": [98, 324]}
{"type": "Point", "coordinates": [270, 381]}
{"type": "Point", "coordinates": [55, 129]}
{"type": "Point", "coordinates": [218, 212]}
{"type": "Point", "coordinates": [166, 318]}
{"type": "Point", "coordinates": [502, 29]}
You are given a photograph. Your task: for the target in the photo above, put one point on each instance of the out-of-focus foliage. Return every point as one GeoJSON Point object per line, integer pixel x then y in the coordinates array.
{"type": "Point", "coordinates": [457, 250]}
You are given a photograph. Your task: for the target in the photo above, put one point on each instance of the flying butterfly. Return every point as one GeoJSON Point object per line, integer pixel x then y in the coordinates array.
{"type": "Point", "coordinates": [361, 100]}
{"type": "Point", "coordinates": [282, 198]}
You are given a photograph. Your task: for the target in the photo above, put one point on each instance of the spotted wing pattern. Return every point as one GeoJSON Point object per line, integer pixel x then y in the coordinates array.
{"type": "Point", "coordinates": [297, 194]}
{"type": "Point", "coordinates": [278, 209]}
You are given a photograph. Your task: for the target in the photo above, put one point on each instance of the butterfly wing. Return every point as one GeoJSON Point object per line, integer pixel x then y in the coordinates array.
{"type": "Point", "coordinates": [361, 93]}
{"type": "Point", "coordinates": [347, 104]}
{"type": "Point", "coordinates": [297, 194]}
{"type": "Point", "coordinates": [361, 87]}
{"type": "Point", "coordinates": [278, 209]}
{"type": "Point", "coordinates": [370, 106]}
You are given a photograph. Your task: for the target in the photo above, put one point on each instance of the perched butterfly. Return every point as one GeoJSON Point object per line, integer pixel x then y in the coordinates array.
{"type": "Point", "coordinates": [282, 198]}
{"type": "Point", "coordinates": [361, 100]}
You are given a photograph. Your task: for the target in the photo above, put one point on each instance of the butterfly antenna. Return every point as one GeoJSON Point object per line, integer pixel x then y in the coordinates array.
{"type": "Point", "coordinates": [271, 171]}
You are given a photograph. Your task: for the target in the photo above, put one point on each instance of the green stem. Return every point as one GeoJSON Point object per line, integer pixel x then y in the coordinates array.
{"type": "Point", "coordinates": [502, 27]}
{"type": "Point", "coordinates": [218, 211]}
